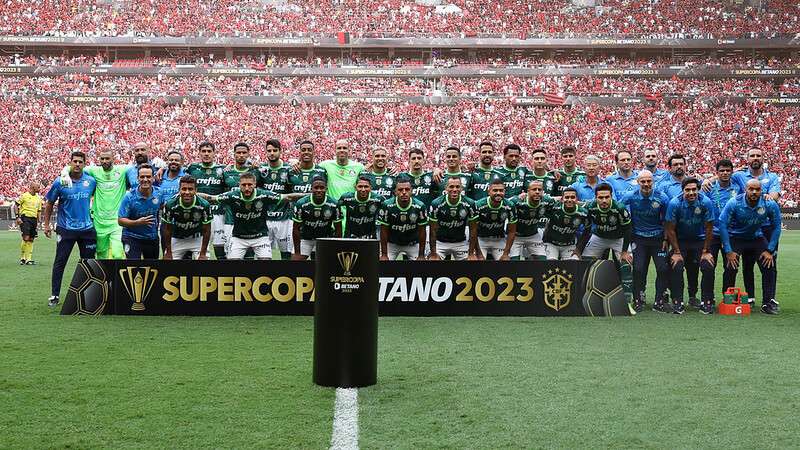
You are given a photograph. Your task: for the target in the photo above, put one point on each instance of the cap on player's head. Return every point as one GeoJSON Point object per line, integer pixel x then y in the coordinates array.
{"type": "Point", "coordinates": [511, 147]}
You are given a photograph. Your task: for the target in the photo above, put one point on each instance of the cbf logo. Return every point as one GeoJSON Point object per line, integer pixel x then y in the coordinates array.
{"type": "Point", "coordinates": [557, 286]}
{"type": "Point", "coordinates": [347, 260]}
{"type": "Point", "coordinates": [138, 281]}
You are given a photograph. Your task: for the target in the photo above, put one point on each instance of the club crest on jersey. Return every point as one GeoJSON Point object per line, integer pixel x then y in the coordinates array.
{"type": "Point", "coordinates": [155, 200]}
{"type": "Point", "coordinates": [612, 220]}
{"type": "Point", "coordinates": [274, 176]}
{"type": "Point", "coordinates": [487, 176]}
{"type": "Point", "coordinates": [761, 211]}
{"type": "Point", "coordinates": [85, 183]}
{"type": "Point", "coordinates": [656, 205]}
{"type": "Point", "coordinates": [259, 205]}
{"type": "Point", "coordinates": [576, 221]}
{"type": "Point", "coordinates": [542, 210]}
{"type": "Point", "coordinates": [372, 209]}
{"type": "Point", "coordinates": [317, 213]}
{"type": "Point", "coordinates": [219, 171]}
{"type": "Point", "coordinates": [412, 217]}
{"type": "Point", "coordinates": [208, 171]}
{"type": "Point", "coordinates": [463, 214]}
{"type": "Point", "coordinates": [452, 212]}
{"type": "Point", "coordinates": [362, 209]}
{"type": "Point", "coordinates": [327, 214]}
{"type": "Point", "coordinates": [388, 182]}
{"type": "Point", "coordinates": [403, 217]}
{"type": "Point", "coordinates": [197, 215]}
{"type": "Point", "coordinates": [520, 173]}
{"type": "Point", "coordinates": [427, 179]}
{"type": "Point", "coordinates": [503, 216]}
{"type": "Point", "coordinates": [697, 210]}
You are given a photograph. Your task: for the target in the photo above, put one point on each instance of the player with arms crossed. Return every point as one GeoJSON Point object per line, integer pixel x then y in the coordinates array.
{"type": "Point", "coordinates": [187, 223]}
{"type": "Point", "coordinates": [497, 224]}
{"type": "Point", "coordinates": [564, 220]}
{"type": "Point", "coordinates": [532, 213]}
{"type": "Point", "coordinates": [315, 216]}
{"type": "Point", "coordinates": [450, 216]}
{"type": "Point", "coordinates": [361, 210]}
{"type": "Point", "coordinates": [27, 208]}
{"type": "Point", "coordinates": [402, 221]}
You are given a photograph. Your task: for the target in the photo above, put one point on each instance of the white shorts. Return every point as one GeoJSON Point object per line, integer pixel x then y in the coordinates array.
{"type": "Point", "coordinates": [180, 247]}
{"type": "Point", "coordinates": [218, 230]}
{"type": "Point", "coordinates": [458, 251]}
{"type": "Point", "coordinates": [495, 247]}
{"type": "Point", "coordinates": [307, 247]}
{"type": "Point", "coordinates": [597, 246]}
{"type": "Point", "coordinates": [394, 250]}
{"type": "Point", "coordinates": [557, 252]}
{"type": "Point", "coordinates": [260, 246]}
{"type": "Point", "coordinates": [280, 234]}
{"type": "Point", "coordinates": [527, 246]}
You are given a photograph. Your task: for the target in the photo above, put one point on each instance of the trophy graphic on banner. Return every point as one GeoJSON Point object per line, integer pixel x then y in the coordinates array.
{"type": "Point", "coordinates": [137, 282]}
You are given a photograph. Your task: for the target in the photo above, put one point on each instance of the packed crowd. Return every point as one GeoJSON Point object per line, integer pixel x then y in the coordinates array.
{"type": "Point", "coordinates": [701, 18]}
{"type": "Point", "coordinates": [37, 134]}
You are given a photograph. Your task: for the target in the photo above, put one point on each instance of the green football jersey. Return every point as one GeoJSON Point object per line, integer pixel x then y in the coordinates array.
{"type": "Point", "coordinates": [513, 179]}
{"type": "Point", "coordinates": [230, 179]}
{"type": "Point", "coordinates": [111, 187]}
{"type": "Point", "coordinates": [531, 217]}
{"type": "Point", "coordinates": [562, 226]}
{"type": "Point", "coordinates": [548, 182]}
{"type": "Point", "coordinates": [341, 179]}
{"type": "Point", "coordinates": [466, 183]}
{"type": "Point", "coordinates": [300, 182]}
{"type": "Point", "coordinates": [249, 214]}
{"type": "Point", "coordinates": [187, 220]}
{"type": "Point", "coordinates": [422, 187]}
{"type": "Point", "coordinates": [492, 220]}
{"type": "Point", "coordinates": [360, 216]}
{"type": "Point", "coordinates": [402, 222]}
{"type": "Point", "coordinates": [481, 178]}
{"type": "Point", "coordinates": [382, 184]}
{"type": "Point", "coordinates": [568, 178]}
{"type": "Point", "coordinates": [609, 223]}
{"type": "Point", "coordinates": [276, 179]}
{"type": "Point", "coordinates": [316, 220]}
{"type": "Point", "coordinates": [452, 219]}
{"type": "Point", "coordinates": [209, 180]}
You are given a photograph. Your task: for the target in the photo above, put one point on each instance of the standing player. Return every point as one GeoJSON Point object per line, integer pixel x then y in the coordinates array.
{"type": "Point", "coordinates": [230, 177]}
{"type": "Point", "coordinates": [742, 232]}
{"type": "Point", "coordinates": [531, 214]}
{"type": "Point", "coordinates": [648, 208]}
{"type": "Point", "coordinates": [187, 223]}
{"type": "Point", "coordinates": [610, 230]}
{"type": "Point", "coordinates": [74, 222]}
{"type": "Point", "coordinates": [512, 174]}
{"type": "Point", "coordinates": [381, 181]}
{"type": "Point", "coordinates": [540, 173]}
{"type": "Point", "coordinates": [689, 225]}
{"type": "Point", "coordinates": [27, 208]}
{"type": "Point", "coordinates": [450, 216]}
{"type": "Point", "coordinates": [275, 177]}
{"type": "Point", "coordinates": [209, 178]}
{"type": "Point", "coordinates": [564, 219]}
{"type": "Point", "coordinates": [361, 209]}
{"type": "Point", "coordinates": [624, 179]}
{"type": "Point", "coordinates": [497, 224]}
{"type": "Point", "coordinates": [402, 219]}
{"type": "Point", "coordinates": [342, 172]}
{"type": "Point", "coordinates": [452, 159]}
{"type": "Point", "coordinates": [570, 173]}
{"type": "Point", "coordinates": [651, 164]}
{"type": "Point", "coordinates": [422, 186]}
{"type": "Point", "coordinates": [139, 217]}
{"type": "Point", "coordinates": [586, 186]}
{"type": "Point", "coordinates": [306, 170]}
{"type": "Point", "coordinates": [483, 174]}
{"type": "Point", "coordinates": [315, 216]}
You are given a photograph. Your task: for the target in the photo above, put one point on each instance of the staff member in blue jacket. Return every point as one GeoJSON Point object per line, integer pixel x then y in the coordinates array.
{"type": "Point", "coordinates": [138, 216]}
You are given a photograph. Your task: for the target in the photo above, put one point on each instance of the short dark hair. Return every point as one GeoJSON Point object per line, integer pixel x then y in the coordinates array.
{"type": "Point", "coordinates": [453, 178]}
{"type": "Point", "coordinates": [402, 179]}
{"type": "Point", "coordinates": [306, 142]}
{"type": "Point", "coordinates": [206, 144]}
{"type": "Point", "coordinates": [489, 143]}
{"type": "Point", "coordinates": [188, 179]}
{"type": "Point", "coordinates": [319, 178]}
{"type": "Point", "coordinates": [456, 149]}
{"type": "Point", "coordinates": [603, 187]}
{"type": "Point", "coordinates": [241, 144]}
{"type": "Point", "coordinates": [569, 189]}
{"type": "Point", "coordinates": [178, 152]}
{"type": "Point", "coordinates": [144, 166]}
{"type": "Point", "coordinates": [689, 181]}
{"type": "Point", "coordinates": [539, 150]}
{"type": "Point", "coordinates": [568, 149]}
{"type": "Point", "coordinates": [511, 147]}
{"type": "Point", "coordinates": [416, 151]}
{"type": "Point", "coordinates": [497, 180]}
{"type": "Point", "coordinates": [673, 157]}
{"type": "Point", "coordinates": [79, 154]}
{"type": "Point", "coordinates": [616, 155]}
{"type": "Point", "coordinates": [364, 178]}
{"type": "Point", "coordinates": [248, 175]}
{"type": "Point", "coordinates": [273, 142]}
{"type": "Point", "coordinates": [724, 163]}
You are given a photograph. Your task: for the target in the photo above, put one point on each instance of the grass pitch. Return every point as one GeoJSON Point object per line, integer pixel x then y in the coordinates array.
{"type": "Point", "coordinates": [656, 381]}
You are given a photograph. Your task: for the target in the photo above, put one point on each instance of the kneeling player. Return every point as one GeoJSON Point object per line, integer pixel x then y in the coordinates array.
{"type": "Point", "coordinates": [450, 215]}
{"type": "Point", "coordinates": [531, 219]}
{"type": "Point", "coordinates": [315, 216]}
{"type": "Point", "coordinates": [402, 219]}
{"type": "Point", "coordinates": [495, 238]}
{"type": "Point", "coordinates": [187, 223]}
{"type": "Point", "coordinates": [564, 220]}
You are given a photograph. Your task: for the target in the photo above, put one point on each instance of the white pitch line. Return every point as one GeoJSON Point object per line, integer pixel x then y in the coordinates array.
{"type": "Point", "coordinates": [345, 420]}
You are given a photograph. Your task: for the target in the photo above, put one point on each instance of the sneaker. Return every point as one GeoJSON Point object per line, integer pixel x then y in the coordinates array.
{"type": "Point", "coordinates": [678, 308]}
{"type": "Point", "coordinates": [661, 307]}
{"type": "Point", "coordinates": [752, 302]}
{"type": "Point", "coordinates": [30, 263]}
{"type": "Point", "coordinates": [707, 308]}
{"type": "Point", "coordinates": [638, 306]}
{"type": "Point", "coordinates": [770, 307]}
{"type": "Point", "coordinates": [52, 301]}
{"type": "Point", "coordinates": [694, 302]}
{"type": "Point", "coordinates": [22, 262]}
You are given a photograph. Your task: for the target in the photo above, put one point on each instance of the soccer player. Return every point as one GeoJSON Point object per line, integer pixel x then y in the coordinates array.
{"type": "Point", "coordinates": [672, 184]}
{"type": "Point", "coordinates": [423, 187]}
{"type": "Point", "coordinates": [570, 173]}
{"type": "Point", "coordinates": [74, 222]}
{"type": "Point", "coordinates": [342, 172]}
{"type": "Point", "coordinates": [209, 178]}
{"type": "Point", "coordinates": [315, 216]}
{"type": "Point", "coordinates": [564, 219]}
{"type": "Point", "coordinates": [449, 218]}
{"type": "Point", "coordinates": [648, 208]}
{"type": "Point", "coordinates": [305, 170]}
{"type": "Point", "coordinates": [170, 184]}
{"type": "Point", "coordinates": [483, 174]}
{"type": "Point", "coordinates": [742, 233]}
{"type": "Point", "coordinates": [512, 174]}
{"type": "Point", "coordinates": [586, 186]}
{"type": "Point", "coordinates": [275, 176]}
{"type": "Point", "coordinates": [381, 181]}
{"type": "Point", "coordinates": [497, 224]}
{"type": "Point", "coordinates": [230, 177]}
{"type": "Point", "coordinates": [531, 214]}
{"type": "Point", "coordinates": [624, 179]}
{"type": "Point", "coordinates": [610, 230]}
{"type": "Point", "coordinates": [403, 220]}
{"type": "Point", "coordinates": [27, 208]}
{"type": "Point", "coordinates": [361, 210]}
{"type": "Point", "coordinates": [651, 164]}
{"type": "Point", "coordinates": [139, 217]}
{"type": "Point", "coordinates": [187, 223]}
{"type": "Point", "coordinates": [452, 159]}
{"type": "Point", "coordinates": [540, 173]}
{"type": "Point", "coordinates": [689, 226]}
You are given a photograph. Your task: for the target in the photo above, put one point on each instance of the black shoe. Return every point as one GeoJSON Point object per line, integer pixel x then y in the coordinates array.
{"type": "Point", "coordinates": [770, 307]}
{"type": "Point", "coordinates": [662, 307]}
{"type": "Point", "coordinates": [22, 262]}
{"type": "Point", "coordinates": [678, 308]}
{"type": "Point", "coordinates": [30, 263]}
{"type": "Point", "coordinates": [707, 308]}
{"type": "Point", "coordinates": [52, 301]}
{"type": "Point", "coordinates": [694, 302]}
{"type": "Point", "coordinates": [638, 306]}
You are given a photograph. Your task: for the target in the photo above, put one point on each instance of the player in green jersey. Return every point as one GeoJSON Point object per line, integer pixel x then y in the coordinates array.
{"type": "Point", "coordinates": [423, 187]}
{"type": "Point", "coordinates": [342, 172]}
{"type": "Point", "coordinates": [230, 177]}
{"type": "Point", "coordinates": [452, 159]}
{"type": "Point", "coordinates": [380, 178]}
{"type": "Point", "coordinates": [532, 213]}
{"type": "Point", "coordinates": [187, 223]}
{"type": "Point", "coordinates": [210, 180]}
{"type": "Point", "coordinates": [111, 187]}
{"type": "Point", "coordinates": [315, 216]}
{"type": "Point", "coordinates": [569, 173]}
{"type": "Point", "coordinates": [512, 174]}
{"type": "Point", "coordinates": [450, 215]}
{"type": "Point", "coordinates": [403, 220]}
{"type": "Point", "coordinates": [482, 175]}
{"type": "Point", "coordinates": [539, 172]}
{"type": "Point", "coordinates": [564, 220]}
{"type": "Point", "coordinates": [497, 224]}
{"type": "Point", "coordinates": [612, 230]}
{"type": "Point", "coordinates": [360, 210]}
{"type": "Point", "coordinates": [305, 170]}
{"type": "Point", "coordinates": [275, 177]}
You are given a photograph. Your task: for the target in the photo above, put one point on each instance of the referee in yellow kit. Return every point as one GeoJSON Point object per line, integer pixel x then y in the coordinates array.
{"type": "Point", "coordinates": [28, 208]}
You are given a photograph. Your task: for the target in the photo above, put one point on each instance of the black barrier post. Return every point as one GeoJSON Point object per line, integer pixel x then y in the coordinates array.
{"type": "Point", "coordinates": [346, 313]}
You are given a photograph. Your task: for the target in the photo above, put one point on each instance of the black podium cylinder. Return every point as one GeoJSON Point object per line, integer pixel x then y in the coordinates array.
{"type": "Point", "coordinates": [346, 313]}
